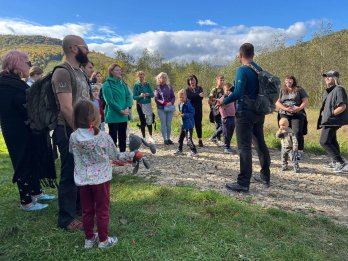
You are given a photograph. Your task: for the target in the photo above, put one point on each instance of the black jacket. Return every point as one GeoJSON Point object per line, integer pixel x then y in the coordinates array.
{"type": "Point", "coordinates": [333, 97]}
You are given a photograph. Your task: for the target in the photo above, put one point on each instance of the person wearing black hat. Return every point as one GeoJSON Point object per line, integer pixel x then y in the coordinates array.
{"type": "Point", "coordinates": [333, 115]}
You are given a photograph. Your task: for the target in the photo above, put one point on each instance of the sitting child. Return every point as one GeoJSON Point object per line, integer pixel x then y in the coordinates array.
{"type": "Point", "coordinates": [186, 112]}
{"type": "Point", "coordinates": [228, 113]}
{"type": "Point", "coordinates": [93, 149]}
{"type": "Point", "coordinates": [289, 145]}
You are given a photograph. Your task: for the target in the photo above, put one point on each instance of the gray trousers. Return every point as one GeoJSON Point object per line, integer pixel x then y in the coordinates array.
{"type": "Point", "coordinates": [288, 153]}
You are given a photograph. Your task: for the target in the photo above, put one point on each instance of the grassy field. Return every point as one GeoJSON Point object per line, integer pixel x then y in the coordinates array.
{"type": "Point", "coordinates": [311, 139]}
{"type": "Point", "coordinates": [168, 223]}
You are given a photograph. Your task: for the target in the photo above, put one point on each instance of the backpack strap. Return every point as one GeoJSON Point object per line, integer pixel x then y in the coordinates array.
{"type": "Point", "coordinates": [253, 68]}
{"type": "Point", "coordinates": [69, 68]}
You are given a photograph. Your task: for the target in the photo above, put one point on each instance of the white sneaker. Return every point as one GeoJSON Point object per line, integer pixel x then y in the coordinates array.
{"type": "Point", "coordinates": [151, 140]}
{"type": "Point", "coordinates": [340, 167]}
{"type": "Point", "coordinates": [89, 243]}
{"type": "Point", "coordinates": [110, 242]}
{"type": "Point", "coordinates": [192, 154]}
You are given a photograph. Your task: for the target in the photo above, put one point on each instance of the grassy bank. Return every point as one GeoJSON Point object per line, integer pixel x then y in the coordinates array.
{"type": "Point", "coordinates": [311, 139]}
{"type": "Point", "coordinates": [168, 223]}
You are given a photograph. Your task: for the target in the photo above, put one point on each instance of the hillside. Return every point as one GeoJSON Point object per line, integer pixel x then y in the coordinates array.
{"type": "Point", "coordinates": [45, 52]}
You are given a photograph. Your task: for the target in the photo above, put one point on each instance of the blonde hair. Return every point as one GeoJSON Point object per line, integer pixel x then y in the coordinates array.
{"type": "Point", "coordinates": [283, 121]}
{"type": "Point", "coordinates": [86, 116]}
{"type": "Point", "coordinates": [162, 75]}
{"type": "Point", "coordinates": [228, 85]}
{"type": "Point", "coordinates": [139, 72]}
{"type": "Point", "coordinates": [182, 91]}
{"type": "Point", "coordinates": [112, 67]}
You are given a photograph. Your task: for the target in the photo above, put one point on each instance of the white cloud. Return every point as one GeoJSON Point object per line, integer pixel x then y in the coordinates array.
{"type": "Point", "coordinates": [215, 45]}
{"type": "Point", "coordinates": [206, 22]}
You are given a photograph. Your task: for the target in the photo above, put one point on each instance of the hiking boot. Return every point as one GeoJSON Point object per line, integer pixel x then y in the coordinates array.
{"type": "Point", "coordinates": [236, 187]}
{"type": "Point", "coordinates": [192, 154]}
{"type": "Point", "coordinates": [74, 225]}
{"type": "Point", "coordinates": [110, 242]}
{"type": "Point", "coordinates": [33, 207]}
{"type": "Point", "coordinates": [261, 179]}
{"type": "Point", "coordinates": [340, 167]}
{"type": "Point", "coordinates": [200, 143]}
{"type": "Point", "coordinates": [89, 243]}
{"type": "Point", "coordinates": [329, 165]}
{"type": "Point", "coordinates": [178, 152]}
{"type": "Point", "coordinates": [43, 196]}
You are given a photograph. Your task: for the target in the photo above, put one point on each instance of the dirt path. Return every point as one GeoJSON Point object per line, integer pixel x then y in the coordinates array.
{"type": "Point", "coordinates": [315, 190]}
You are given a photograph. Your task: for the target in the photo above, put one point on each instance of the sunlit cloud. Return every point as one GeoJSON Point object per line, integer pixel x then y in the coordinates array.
{"type": "Point", "coordinates": [206, 22]}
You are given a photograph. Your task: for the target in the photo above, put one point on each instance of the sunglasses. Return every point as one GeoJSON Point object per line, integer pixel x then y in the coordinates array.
{"type": "Point", "coordinates": [28, 63]}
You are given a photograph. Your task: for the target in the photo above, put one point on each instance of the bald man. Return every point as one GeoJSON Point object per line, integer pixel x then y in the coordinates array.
{"type": "Point", "coordinates": [70, 85]}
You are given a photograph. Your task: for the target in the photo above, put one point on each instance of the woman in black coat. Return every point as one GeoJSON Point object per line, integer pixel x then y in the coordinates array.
{"type": "Point", "coordinates": [18, 136]}
{"type": "Point", "coordinates": [195, 95]}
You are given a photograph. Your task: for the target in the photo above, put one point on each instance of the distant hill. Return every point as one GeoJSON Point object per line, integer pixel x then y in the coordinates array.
{"type": "Point", "coordinates": [46, 52]}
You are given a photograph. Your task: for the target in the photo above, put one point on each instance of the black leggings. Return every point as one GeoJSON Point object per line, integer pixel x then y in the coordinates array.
{"type": "Point", "coordinates": [119, 130]}
{"type": "Point", "coordinates": [198, 123]}
{"type": "Point", "coordinates": [143, 121]}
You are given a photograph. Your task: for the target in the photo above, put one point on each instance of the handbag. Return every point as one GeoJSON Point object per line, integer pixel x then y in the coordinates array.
{"type": "Point", "coordinates": [169, 108]}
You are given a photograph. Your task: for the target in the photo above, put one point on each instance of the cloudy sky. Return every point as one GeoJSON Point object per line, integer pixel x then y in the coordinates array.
{"type": "Point", "coordinates": [180, 30]}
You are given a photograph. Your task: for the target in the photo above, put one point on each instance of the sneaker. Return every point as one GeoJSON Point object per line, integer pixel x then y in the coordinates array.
{"type": "Point", "coordinates": [212, 139]}
{"type": "Point", "coordinates": [74, 225]}
{"type": "Point", "coordinates": [43, 196]}
{"type": "Point", "coordinates": [220, 143]}
{"type": "Point", "coordinates": [166, 142]}
{"type": "Point", "coordinates": [284, 167]}
{"type": "Point", "coordinates": [299, 155]}
{"type": "Point", "coordinates": [110, 242]}
{"type": "Point", "coordinates": [151, 140]}
{"type": "Point", "coordinates": [89, 243]}
{"type": "Point", "coordinates": [237, 187]}
{"type": "Point", "coordinates": [340, 167]}
{"type": "Point", "coordinates": [330, 165]}
{"type": "Point", "coordinates": [200, 143]}
{"type": "Point", "coordinates": [229, 151]}
{"type": "Point", "coordinates": [34, 206]}
{"type": "Point", "coordinates": [170, 142]}
{"type": "Point", "coordinates": [178, 152]}
{"type": "Point", "coordinates": [192, 154]}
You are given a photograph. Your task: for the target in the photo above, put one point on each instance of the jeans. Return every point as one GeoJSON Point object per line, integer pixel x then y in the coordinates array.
{"type": "Point", "coordinates": [218, 127]}
{"type": "Point", "coordinates": [328, 140]}
{"type": "Point", "coordinates": [95, 202]}
{"type": "Point", "coordinates": [119, 131]}
{"type": "Point", "coordinates": [249, 129]}
{"type": "Point", "coordinates": [296, 123]}
{"type": "Point", "coordinates": [68, 199]}
{"type": "Point", "coordinates": [228, 125]}
{"type": "Point", "coordinates": [166, 118]}
{"type": "Point", "coordinates": [188, 134]}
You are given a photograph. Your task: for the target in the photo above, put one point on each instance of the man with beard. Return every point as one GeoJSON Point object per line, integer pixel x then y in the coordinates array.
{"type": "Point", "coordinates": [70, 85]}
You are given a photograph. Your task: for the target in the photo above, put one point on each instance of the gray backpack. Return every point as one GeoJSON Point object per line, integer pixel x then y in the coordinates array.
{"type": "Point", "coordinates": [269, 88]}
{"type": "Point", "coordinates": [41, 102]}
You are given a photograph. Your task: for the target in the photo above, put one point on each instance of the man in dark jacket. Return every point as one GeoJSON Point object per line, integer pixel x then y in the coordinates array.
{"type": "Point", "coordinates": [333, 115]}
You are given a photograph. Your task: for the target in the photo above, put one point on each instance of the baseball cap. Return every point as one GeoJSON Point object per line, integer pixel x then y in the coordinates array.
{"type": "Point", "coordinates": [331, 74]}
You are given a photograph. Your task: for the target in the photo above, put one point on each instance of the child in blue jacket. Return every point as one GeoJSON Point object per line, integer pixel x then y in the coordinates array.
{"type": "Point", "coordinates": [186, 112]}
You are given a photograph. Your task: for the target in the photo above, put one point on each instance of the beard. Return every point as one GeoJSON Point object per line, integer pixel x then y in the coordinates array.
{"type": "Point", "coordinates": [81, 57]}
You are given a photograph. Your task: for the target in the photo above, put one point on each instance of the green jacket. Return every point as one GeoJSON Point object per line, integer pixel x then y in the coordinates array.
{"type": "Point", "coordinates": [139, 89]}
{"type": "Point", "coordinates": [117, 98]}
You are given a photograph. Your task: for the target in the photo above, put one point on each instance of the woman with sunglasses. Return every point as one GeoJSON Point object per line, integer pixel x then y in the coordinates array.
{"type": "Point", "coordinates": [17, 134]}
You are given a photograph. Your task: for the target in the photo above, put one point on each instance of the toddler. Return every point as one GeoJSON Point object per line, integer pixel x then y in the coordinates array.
{"type": "Point", "coordinates": [186, 112]}
{"type": "Point", "coordinates": [289, 145]}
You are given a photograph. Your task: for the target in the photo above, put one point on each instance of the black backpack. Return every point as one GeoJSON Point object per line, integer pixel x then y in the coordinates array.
{"type": "Point", "coordinates": [269, 88]}
{"type": "Point", "coordinates": [41, 103]}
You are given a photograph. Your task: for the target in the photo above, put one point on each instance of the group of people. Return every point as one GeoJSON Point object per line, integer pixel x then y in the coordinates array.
{"type": "Point", "coordinates": [86, 151]}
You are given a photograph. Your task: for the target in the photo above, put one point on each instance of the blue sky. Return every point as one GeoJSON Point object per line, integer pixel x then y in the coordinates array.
{"type": "Point", "coordinates": [178, 30]}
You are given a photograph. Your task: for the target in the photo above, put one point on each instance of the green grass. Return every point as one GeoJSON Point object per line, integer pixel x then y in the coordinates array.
{"type": "Point", "coordinates": [168, 223]}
